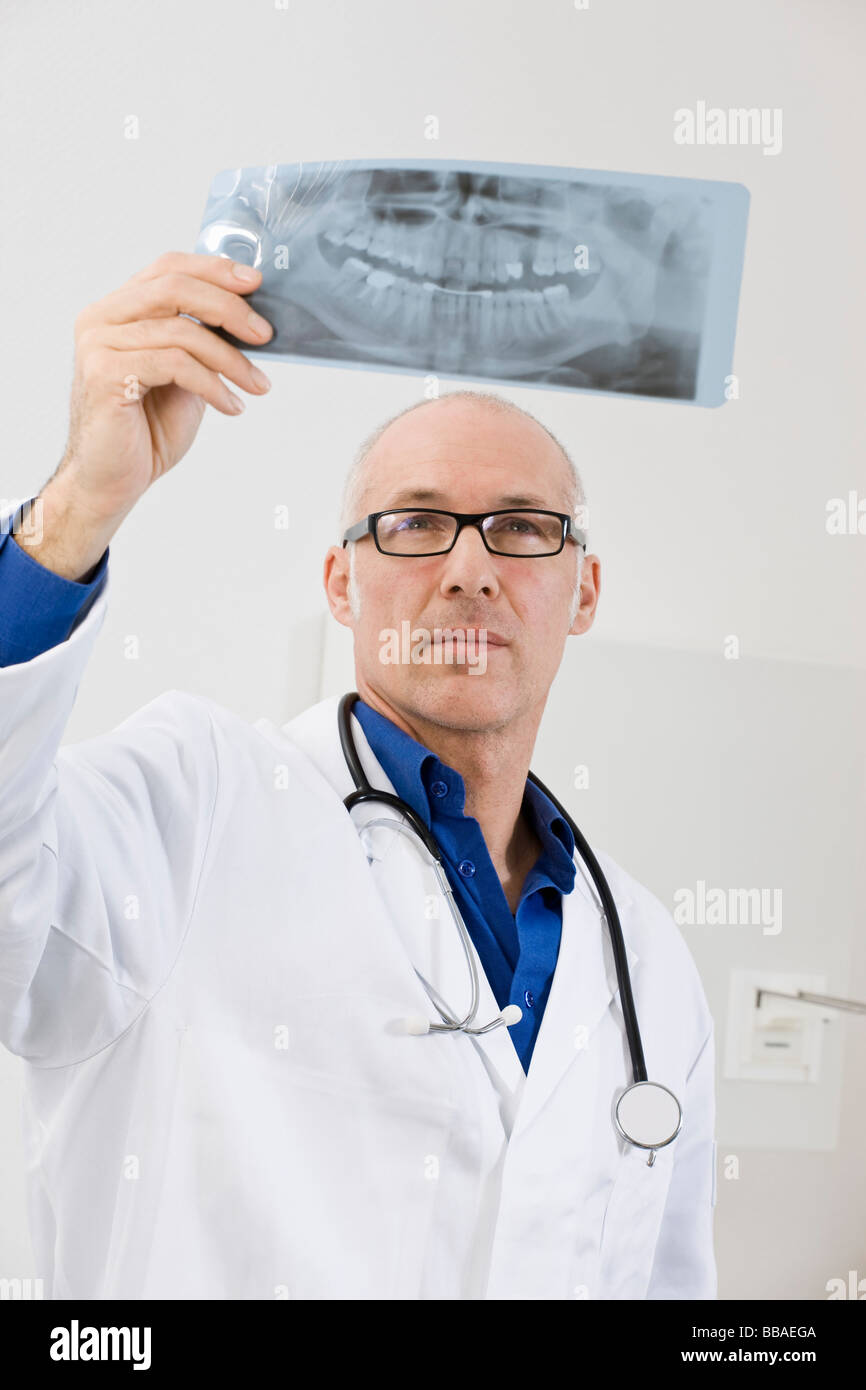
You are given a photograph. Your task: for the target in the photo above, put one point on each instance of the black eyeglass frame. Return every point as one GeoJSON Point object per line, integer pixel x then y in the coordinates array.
{"type": "Point", "coordinates": [369, 526]}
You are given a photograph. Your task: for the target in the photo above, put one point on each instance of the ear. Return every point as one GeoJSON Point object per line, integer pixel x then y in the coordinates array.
{"type": "Point", "coordinates": [336, 581]}
{"type": "Point", "coordinates": [590, 592]}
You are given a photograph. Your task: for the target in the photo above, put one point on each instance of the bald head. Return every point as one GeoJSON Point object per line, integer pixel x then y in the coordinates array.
{"type": "Point", "coordinates": [452, 422]}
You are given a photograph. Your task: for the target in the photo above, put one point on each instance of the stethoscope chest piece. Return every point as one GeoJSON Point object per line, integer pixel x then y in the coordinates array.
{"type": "Point", "coordinates": [649, 1116]}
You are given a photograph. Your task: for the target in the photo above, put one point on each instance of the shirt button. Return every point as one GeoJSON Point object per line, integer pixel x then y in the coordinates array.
{"type": "Point", "coordinates": [466, 867]}
{"type": "Point", "coordinates": [439, 788]}
{"type": "Point", "coordinates": [528, 998]}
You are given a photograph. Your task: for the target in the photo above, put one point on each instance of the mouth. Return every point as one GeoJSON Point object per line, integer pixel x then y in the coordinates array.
{"type": "Point", "coordinates": [477, 635]}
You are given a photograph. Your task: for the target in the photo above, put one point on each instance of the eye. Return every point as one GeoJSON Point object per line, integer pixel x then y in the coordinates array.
{"type": "Point", "coordinates": [517, 525]}
{"type": "Point", "coordinates": [411, 522]}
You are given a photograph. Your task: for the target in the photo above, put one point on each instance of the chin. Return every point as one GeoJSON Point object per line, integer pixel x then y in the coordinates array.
{"type": "Point", "coordinates": [460, 700]}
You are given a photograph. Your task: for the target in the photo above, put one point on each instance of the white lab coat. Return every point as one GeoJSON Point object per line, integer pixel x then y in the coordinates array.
{"type": "Point", "coordinates": [205, 977]}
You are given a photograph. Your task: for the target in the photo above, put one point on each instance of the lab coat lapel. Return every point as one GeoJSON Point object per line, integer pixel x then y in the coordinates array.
{"type": "Point", "coordinates": [405, 881]}
{"type": "Point", "coordinates": [583, 986]}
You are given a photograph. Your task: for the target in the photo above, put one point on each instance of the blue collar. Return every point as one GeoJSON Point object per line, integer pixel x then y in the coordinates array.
{"type": "Point", "coordinates": [436, 791]}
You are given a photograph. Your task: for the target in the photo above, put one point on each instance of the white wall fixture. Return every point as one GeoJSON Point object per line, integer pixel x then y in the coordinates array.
{"type": "Point", "coordinates": [779, 1039]}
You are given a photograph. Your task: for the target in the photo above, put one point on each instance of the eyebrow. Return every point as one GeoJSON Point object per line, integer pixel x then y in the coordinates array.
{"type": "Point", "coordinates": [433, 495]}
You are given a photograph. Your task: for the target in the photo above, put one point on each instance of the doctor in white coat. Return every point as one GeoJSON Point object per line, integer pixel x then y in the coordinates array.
{"type": "Point", "coordinates": [205, 966]}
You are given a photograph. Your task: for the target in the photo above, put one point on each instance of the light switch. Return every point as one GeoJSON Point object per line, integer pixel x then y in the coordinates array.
{"type": "Point", "coordinates": [780, 1040]}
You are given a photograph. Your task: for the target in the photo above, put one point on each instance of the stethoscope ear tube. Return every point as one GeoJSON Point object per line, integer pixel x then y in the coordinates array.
{"type": "Point", "coordinates": [365, 792]}
{"type": "Point", "coordinates": [350, 753]}
{"type": "Point", "coordinates": [388, 799]}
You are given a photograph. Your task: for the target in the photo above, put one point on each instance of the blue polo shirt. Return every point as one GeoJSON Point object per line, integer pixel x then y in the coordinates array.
{"type": "Point", "coordinates": [518, 951]}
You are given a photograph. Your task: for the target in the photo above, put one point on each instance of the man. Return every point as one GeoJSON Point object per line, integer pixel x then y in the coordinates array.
{"type": "Point", "coordinates": [207, 964]}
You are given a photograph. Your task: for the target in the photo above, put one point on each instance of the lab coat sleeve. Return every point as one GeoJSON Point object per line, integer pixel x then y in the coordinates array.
{"type": "Point", "coordinates": [101, 847]}
{"type": "Point", "coordinates": [684, 1264]}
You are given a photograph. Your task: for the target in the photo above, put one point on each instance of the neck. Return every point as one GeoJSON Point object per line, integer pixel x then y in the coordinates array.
{"type": "Point", "coordinates": [493, 763]}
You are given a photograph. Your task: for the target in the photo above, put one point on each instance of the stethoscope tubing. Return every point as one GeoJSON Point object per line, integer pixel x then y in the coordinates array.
{"type": "Point", "coordinates": [617, 940]}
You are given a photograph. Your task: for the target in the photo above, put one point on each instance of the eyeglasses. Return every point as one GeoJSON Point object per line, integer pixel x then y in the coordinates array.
{"type": "Point", "coordinates": [429, 531]}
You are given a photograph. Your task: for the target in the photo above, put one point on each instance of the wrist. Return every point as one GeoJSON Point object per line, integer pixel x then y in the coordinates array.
{"type": "Point", "coordinates": [61, 533]}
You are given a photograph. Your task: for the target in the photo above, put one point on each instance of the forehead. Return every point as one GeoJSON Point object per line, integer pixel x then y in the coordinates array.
{"type": "Point", "coordinates": [467, 449]}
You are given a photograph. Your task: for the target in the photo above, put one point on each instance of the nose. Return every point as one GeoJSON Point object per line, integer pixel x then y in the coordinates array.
{"type": "Point", "coordinates": [469, 568]}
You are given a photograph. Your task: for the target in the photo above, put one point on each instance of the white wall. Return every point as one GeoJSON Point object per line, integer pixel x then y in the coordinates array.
{"type": "Point", "coordinates": [709, 522]}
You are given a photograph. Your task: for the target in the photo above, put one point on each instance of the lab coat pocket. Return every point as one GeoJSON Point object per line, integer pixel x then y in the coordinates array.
{"type": "Point", "coordinates": [632, 1220]}
{"type": "Point", "coordinates": [320, 1181]}
{"type": "Point", "coordinates": [366, 1165]}
{"type": "Point", "coordinates": [369, 1123]}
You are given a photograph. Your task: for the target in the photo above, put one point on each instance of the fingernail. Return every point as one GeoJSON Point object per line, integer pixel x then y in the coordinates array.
{"type": "Point", "coordinates": [244, 272]}
{"type": "Point", "coordinates": [259, 325]}
{"type": "Point", "coordinates": [260, 379]}
{"type": "Point", "coordinates": [236, 403]}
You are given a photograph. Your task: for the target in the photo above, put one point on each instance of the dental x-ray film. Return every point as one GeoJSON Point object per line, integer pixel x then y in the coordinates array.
{"type": "Point", "coordinates": [570, 279]}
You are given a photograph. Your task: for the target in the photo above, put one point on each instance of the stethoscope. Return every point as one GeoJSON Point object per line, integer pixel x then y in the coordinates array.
{"type": "Point", "coordinates": [647, 1114]}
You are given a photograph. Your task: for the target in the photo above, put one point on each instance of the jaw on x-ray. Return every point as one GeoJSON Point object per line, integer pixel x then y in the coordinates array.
{"type": "Point", "coordinates": [571, 279]}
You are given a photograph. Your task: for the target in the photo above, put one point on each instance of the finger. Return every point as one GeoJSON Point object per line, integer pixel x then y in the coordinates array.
{"type": "Point", "coordinates": [177, 293]}
{"type": "Point", "coordinates": [119, 372]}
{"type": "Point", "coordinates": [219, 270]}
{"type": "Point", "coordinates": [199, 342]}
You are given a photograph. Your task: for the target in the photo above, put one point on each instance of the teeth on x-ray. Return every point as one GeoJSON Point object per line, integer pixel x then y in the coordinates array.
{"type": "Point", "coordinates": [477, 311]}
{"type": "Point", "coordinates": [427, 283]}
{"type": "Point", "coordinates": [556, 280]}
